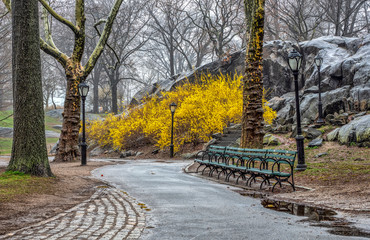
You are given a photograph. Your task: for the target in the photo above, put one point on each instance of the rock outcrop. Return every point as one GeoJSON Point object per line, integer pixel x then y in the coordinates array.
{"type": "Point", "coordinates": [345, 77]}
{"type": "Point", "coordinates": [356, 132]}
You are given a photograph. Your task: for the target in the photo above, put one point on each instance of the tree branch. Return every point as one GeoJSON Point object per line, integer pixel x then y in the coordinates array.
{"type": "Point", "coordinates": [103, 39]}
{"type": "Point", "coordinates": [59, 56]}
{"type": "Point", "coordinates": [80, 35]}
{"type": "Point", "coordinates": [8, 5]}
{"type": "Point", "coordinates": [58, 17]}
{"type": "Point", "coordinates": [47, 31]}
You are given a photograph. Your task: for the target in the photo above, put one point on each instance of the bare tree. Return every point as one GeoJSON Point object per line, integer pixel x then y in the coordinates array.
{"type": "Point", "coordinates": [221, 19]}
{"type": "Point", "coordinates": [5, 57]}
{"type": "Point", "coordinates": [126, 39]}
{"type": "Point", "coordinates": [342, 16]}
{"type": "Point", "coordinates": [29, 153]}
{"type": "Point", "coordinates": [293, 19]}
{"type": "Point", "coordinates": [75, 72]}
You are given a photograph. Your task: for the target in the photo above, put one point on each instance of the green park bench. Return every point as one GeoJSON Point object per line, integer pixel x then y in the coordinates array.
{"type": "Point", "coordinates": [249, 164]}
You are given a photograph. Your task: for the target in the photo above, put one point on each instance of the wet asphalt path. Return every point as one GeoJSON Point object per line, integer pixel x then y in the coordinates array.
{"type": "Point", "coordinates": [183, 206]}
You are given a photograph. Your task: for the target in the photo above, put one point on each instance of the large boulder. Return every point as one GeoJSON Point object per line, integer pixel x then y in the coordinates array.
{"type": "Point", "coordinates": [270, 140]}
{"type": "Point", "coordinates": [8, 133]}
{"type": "Point", "coordinates": [333, 135]}
{"type": "Point", "coordinates": [357, 131]}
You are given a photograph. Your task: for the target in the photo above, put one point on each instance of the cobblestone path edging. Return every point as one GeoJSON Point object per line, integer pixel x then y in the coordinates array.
{"type": "Point", "coordinates": [108, 214]}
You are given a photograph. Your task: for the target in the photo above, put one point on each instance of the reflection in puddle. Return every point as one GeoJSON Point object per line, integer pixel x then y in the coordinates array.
{"type": "Point", "coordinates": [317, 216]}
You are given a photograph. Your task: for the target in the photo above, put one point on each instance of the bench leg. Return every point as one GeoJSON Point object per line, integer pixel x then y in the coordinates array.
{"type": "Point", "coordinates": [205, 169]}
{"type": "Point", "coordinates": [219, 174]}
{"type": "Point", "coordinates": [277, 181]}
{"type": "Point", "coordinates": [198, 167]}
{"type": "Point", "coordinates": [241, 174]}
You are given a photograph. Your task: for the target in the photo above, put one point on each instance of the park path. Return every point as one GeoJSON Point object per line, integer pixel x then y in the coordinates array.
{"type": "Point", "coordinates": [109, 214]}
{"type": "Point", "coordinates": [157, 200]}
{"type": "Point", "coordinates": [183, 206]}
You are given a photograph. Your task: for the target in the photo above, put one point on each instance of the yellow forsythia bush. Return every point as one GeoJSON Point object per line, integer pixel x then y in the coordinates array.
{"type": "Point", "coordinates": [202, 109]}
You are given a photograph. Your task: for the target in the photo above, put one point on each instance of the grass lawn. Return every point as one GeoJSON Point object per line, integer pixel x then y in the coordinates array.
{"type": "Point", "coordinates": [6, 118]}
{"type": "Point", "coordinates": [6, 145]}
{"type": "Point", "coordinates": [8, 122]}
{"type": "Point", "coordinates": [14, 184]}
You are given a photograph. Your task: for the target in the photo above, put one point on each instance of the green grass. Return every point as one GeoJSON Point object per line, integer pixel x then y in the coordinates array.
{"type": "Point", "coordinates": [49, 121]}
{"type": "Point", "coordinates": [5, 146]}
{"type": "Point", "coordinates": [15, 184]}
{"type": "Point", "coordinates": [8, 122]}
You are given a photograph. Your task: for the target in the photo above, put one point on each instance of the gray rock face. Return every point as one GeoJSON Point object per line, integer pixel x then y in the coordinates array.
{"type": "Point", "coordinates": [234, 64]}
{"type": "Point", "coordinates": [56, 113]}
{"type": "Point", "coordinates": [333, 135]}
{"type": "Point", "coordinates": [96, 152]}
{"type": "Point", "coordinates": [345, 76]}
{"type": "Point", "coordinates": [357, 131]}
{"type": "Point", "coordinates": [270, 140]}
{"type": "Point", "coordinates": [311, 133]}
{"type": "Point", "coordinates": [8, 133]}
{"type": "Point", "coordinates": [54, 148]}
{"type": "Point", "coordinates": [315, 143]}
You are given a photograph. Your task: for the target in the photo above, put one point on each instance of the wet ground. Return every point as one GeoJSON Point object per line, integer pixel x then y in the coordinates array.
{"type": "Point", "coordinates": [182, 206]}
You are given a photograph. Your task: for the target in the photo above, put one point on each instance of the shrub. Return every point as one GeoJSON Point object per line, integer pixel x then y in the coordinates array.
{"type": "Point", "coordinates": [204, 108]}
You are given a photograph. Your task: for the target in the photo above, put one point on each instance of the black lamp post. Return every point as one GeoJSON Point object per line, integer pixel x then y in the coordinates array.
{"type": "Point", "coordinates": [294, 62]}
{"type": "Point", "coordinates": [318, 63]}
{"type": "Point", "coordinates": [83, 90]}
{"type": "Point", "coordinates": [173, 109]}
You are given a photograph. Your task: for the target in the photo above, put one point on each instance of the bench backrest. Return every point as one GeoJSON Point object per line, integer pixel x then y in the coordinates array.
{"type": "Point", "coordinates": [216, 149]}
{"type": "Point", "coordinates": [283, 156]}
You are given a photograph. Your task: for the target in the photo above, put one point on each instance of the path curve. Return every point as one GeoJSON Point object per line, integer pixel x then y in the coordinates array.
{"type": "Point", "coordinates": [109, 214]}
{"type": "Point", "coordinates": [183, 206]}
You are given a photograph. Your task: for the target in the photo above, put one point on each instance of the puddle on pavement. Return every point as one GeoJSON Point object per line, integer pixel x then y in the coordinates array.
{"type": "Point", "coordinates": [317, 216]}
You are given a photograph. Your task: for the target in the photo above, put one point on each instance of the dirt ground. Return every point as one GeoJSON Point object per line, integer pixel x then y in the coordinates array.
{"type": "Point", "coordinates": [71, 186]}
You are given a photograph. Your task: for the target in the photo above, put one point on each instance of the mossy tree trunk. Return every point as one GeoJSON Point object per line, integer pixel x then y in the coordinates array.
{"type": "Point", "coordinates": [252, 119]}
{"type": "Point", "coordinates": [29, 152]}
{"type": "Point", "coordinates": [75, 73]}
{"type": "Point", "coordinates": [68, 149]}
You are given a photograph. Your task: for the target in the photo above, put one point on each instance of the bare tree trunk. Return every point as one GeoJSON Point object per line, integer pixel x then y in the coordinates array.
{"type": "Point", "coordinates": [114, 82]}
{"type": "Point", "coordinates": [96, 79]}
{"type": "Point", "coordinates": [52, 100]}
{"type": "Point", "coordinates": [252, 119]}
{"type": "Point", "coordinates": [29, 152]}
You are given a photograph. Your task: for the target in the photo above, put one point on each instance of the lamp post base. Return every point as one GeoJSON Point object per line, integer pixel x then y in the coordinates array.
{"type": "Point", "coordinates": [171, 151]}
{"type": "Point", "coordinates": [301, 166]}
{"type": "Point", "coordinates": [83, 153]}
{"type": "Point", "coordinates": [320, 121]}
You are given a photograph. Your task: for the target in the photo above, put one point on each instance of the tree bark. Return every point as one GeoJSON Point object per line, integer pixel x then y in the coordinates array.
{"type": "Point", "coordinates": [252, 119]}
{"type": "Point", "coordinates": [29, 152]}
{"type": "Point", "coordinates": [68, 149]}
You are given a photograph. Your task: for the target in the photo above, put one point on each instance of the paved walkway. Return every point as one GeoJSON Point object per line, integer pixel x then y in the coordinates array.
{"type": "Point", "coordinates": [108, 214]}
{"type": "Point", "coordinates": [186, 207]}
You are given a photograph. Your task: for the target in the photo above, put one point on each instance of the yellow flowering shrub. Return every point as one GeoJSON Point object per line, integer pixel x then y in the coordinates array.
{"type": "Point", "coordinates": [203, 108]}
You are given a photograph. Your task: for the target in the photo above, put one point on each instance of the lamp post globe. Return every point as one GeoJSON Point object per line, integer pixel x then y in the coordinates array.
{"type": "Point", "coordinates": [172, 109]}
{"type": "Point", "coordinates": [318, 62]}
{"type": "Point", "coordinates": [294, 63]}
{"type": "Point", "coordinates": [83, 90]}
